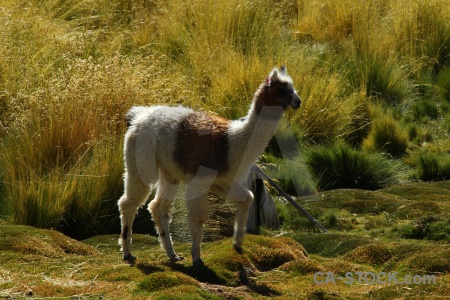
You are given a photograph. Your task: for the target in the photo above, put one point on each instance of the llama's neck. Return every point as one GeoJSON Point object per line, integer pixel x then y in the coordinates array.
{"type": "Point", "coordinates": [261, 120]}
{"type": "Point", "coordinates": [261, 124]}
{"type": "Point", "coordinates": [250, 136]}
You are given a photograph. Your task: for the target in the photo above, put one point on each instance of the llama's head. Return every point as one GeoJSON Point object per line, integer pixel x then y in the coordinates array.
{"type": "Point", "coordinates": [277, 91]}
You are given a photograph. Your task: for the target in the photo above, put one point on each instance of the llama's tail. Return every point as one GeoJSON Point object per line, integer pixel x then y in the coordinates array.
{"type": "Point", "coordinates": [137, 112]}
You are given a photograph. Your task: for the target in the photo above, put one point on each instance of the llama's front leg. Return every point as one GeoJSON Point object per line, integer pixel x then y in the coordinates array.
{"type": "Point", "coordinates": [198, 213]}
{"type": "Point", "coordinates": [161, 209]}
{"type": "Point", "coordinates": [243, 199]}
{"type": "Point", "coordinates": [240, 221]}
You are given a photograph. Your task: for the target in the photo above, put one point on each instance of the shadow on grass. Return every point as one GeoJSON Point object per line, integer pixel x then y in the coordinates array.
{"type": "Point", "coordinates": [245, 275]}
{"type": "Point", "coordinates": [148, 269]}
{"type": "Point", "coordinates": [201, 273]}
{"type": "Point", "coordinates": [207, 275]}
{"type": "Point", "coordinates": [263, 290]}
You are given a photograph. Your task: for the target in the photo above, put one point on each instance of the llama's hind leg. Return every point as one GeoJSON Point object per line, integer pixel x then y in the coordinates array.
{"type": "Point", "coordinates": [135, 195]}
{"type": "Point", "coordinates": [161, 209]}
{"type": "Point", "coordinates": [198, 213]}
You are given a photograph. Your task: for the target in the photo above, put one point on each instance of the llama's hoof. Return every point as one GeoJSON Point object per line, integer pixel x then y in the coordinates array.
{"type": "Point", "coordinates": [176, 258]}
{"type": "Point", "coordinates": [238, 249]}
{"type": "Point", "coordinates": [129, 259]}
{"type": "Point", "coordinates": [198, 262]}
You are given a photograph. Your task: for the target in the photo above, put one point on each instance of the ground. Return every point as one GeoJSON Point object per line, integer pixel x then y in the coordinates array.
{"type": "Point", "coordinates": [396, 234]}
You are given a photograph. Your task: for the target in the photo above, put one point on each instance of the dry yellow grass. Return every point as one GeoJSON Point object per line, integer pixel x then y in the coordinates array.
{"type": "Point", "coordinates": [70, 69]}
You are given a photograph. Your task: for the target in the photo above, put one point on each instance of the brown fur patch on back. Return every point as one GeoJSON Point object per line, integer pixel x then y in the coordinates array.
{"type": "Point", "coordinates": [202, 140]}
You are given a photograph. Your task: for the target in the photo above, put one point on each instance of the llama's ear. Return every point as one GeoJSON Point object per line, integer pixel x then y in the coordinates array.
{"type": "Point", "coordinates": [283, 70]}
{"type": "Point", "coordinates": [273, 76]}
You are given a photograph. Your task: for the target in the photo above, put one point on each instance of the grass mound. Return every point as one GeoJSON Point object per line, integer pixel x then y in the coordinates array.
{"type": "Point", "coordinates": [302, 267]}
{"type": "Point", "coordinates": [165, 280]}
{"type": "Point", "coordinates": [435, 261]}
{"type": "Point", "coordinates": [48, 243]}
{"type": "Point", "coordinates": [330, 245]}
{"type": "Point", "coordinates": [343, 209]}
{"type": "Point", "coordinates": [374, 253]}
{"type": "Point", "coordinates": [269, 253]}
{"type": "Point", "coordinates": [261, 254]}
{"type": "Point", "coordinates": [356, 201]}
{"type": "Point", "coordinates": [428, 227]}
{"type": "Point", "coordinates": [269, 266]}
{"type": "Point", "coordinates": [433, 191]}
{"type": "Point", "coordinates": [340, 266]}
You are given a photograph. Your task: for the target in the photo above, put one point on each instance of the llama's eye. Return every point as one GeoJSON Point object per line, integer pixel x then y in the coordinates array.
{"type": "Point", "coordinates": [283, 93]}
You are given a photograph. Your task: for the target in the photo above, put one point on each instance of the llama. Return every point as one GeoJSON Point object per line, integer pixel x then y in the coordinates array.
{"type": "Point", "coordinates": [168, 145]}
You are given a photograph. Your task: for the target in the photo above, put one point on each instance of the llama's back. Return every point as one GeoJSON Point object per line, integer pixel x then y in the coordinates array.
{"type": "Point", "coordinates": [151, 138]}
{"type": "Point", "coordinates": [137, 113]}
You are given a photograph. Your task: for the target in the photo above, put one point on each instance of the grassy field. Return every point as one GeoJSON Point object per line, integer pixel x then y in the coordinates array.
{"type": "Point", "coordinates": [374, 77]}
{"type": "Point", "coordinates": [402, 230]}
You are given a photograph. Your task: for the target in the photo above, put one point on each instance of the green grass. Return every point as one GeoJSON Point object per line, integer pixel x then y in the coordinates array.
{"type": "Point", "coordinates": [381, 76]}
{"type": "Point", "coordinates": [387, 137]}
{"type": "Point", "coordinates": [428, 227]}
{"type": "Point", "coordinates": [156, 282]}
{"type": "Point", "coordinates": [339, 166]}
{"type": "Point", "coordinates": [425, 109]}
{"type": "Point", "coordinates": [418, 135]}
{"type": "Point", "coordinates": [443, 83]}
{"type": "Point", "coordinates": [433, 166]}
{"type": "Point", "coordinates": [282, 263]}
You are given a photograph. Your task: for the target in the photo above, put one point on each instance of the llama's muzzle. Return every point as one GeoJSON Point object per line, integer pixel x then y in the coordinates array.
{"type": "Point", "coordinates": [295, 102]}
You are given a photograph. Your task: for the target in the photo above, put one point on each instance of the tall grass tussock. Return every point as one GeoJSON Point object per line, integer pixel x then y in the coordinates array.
{"type": "Point", "coordinates": [433, 166]}
{"type": "Point", "coordinates": [386, 136]}
{"type": "Point", "coordinates": [340, 166]}
{"type": "Point", "coordinates": [70, 69]}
